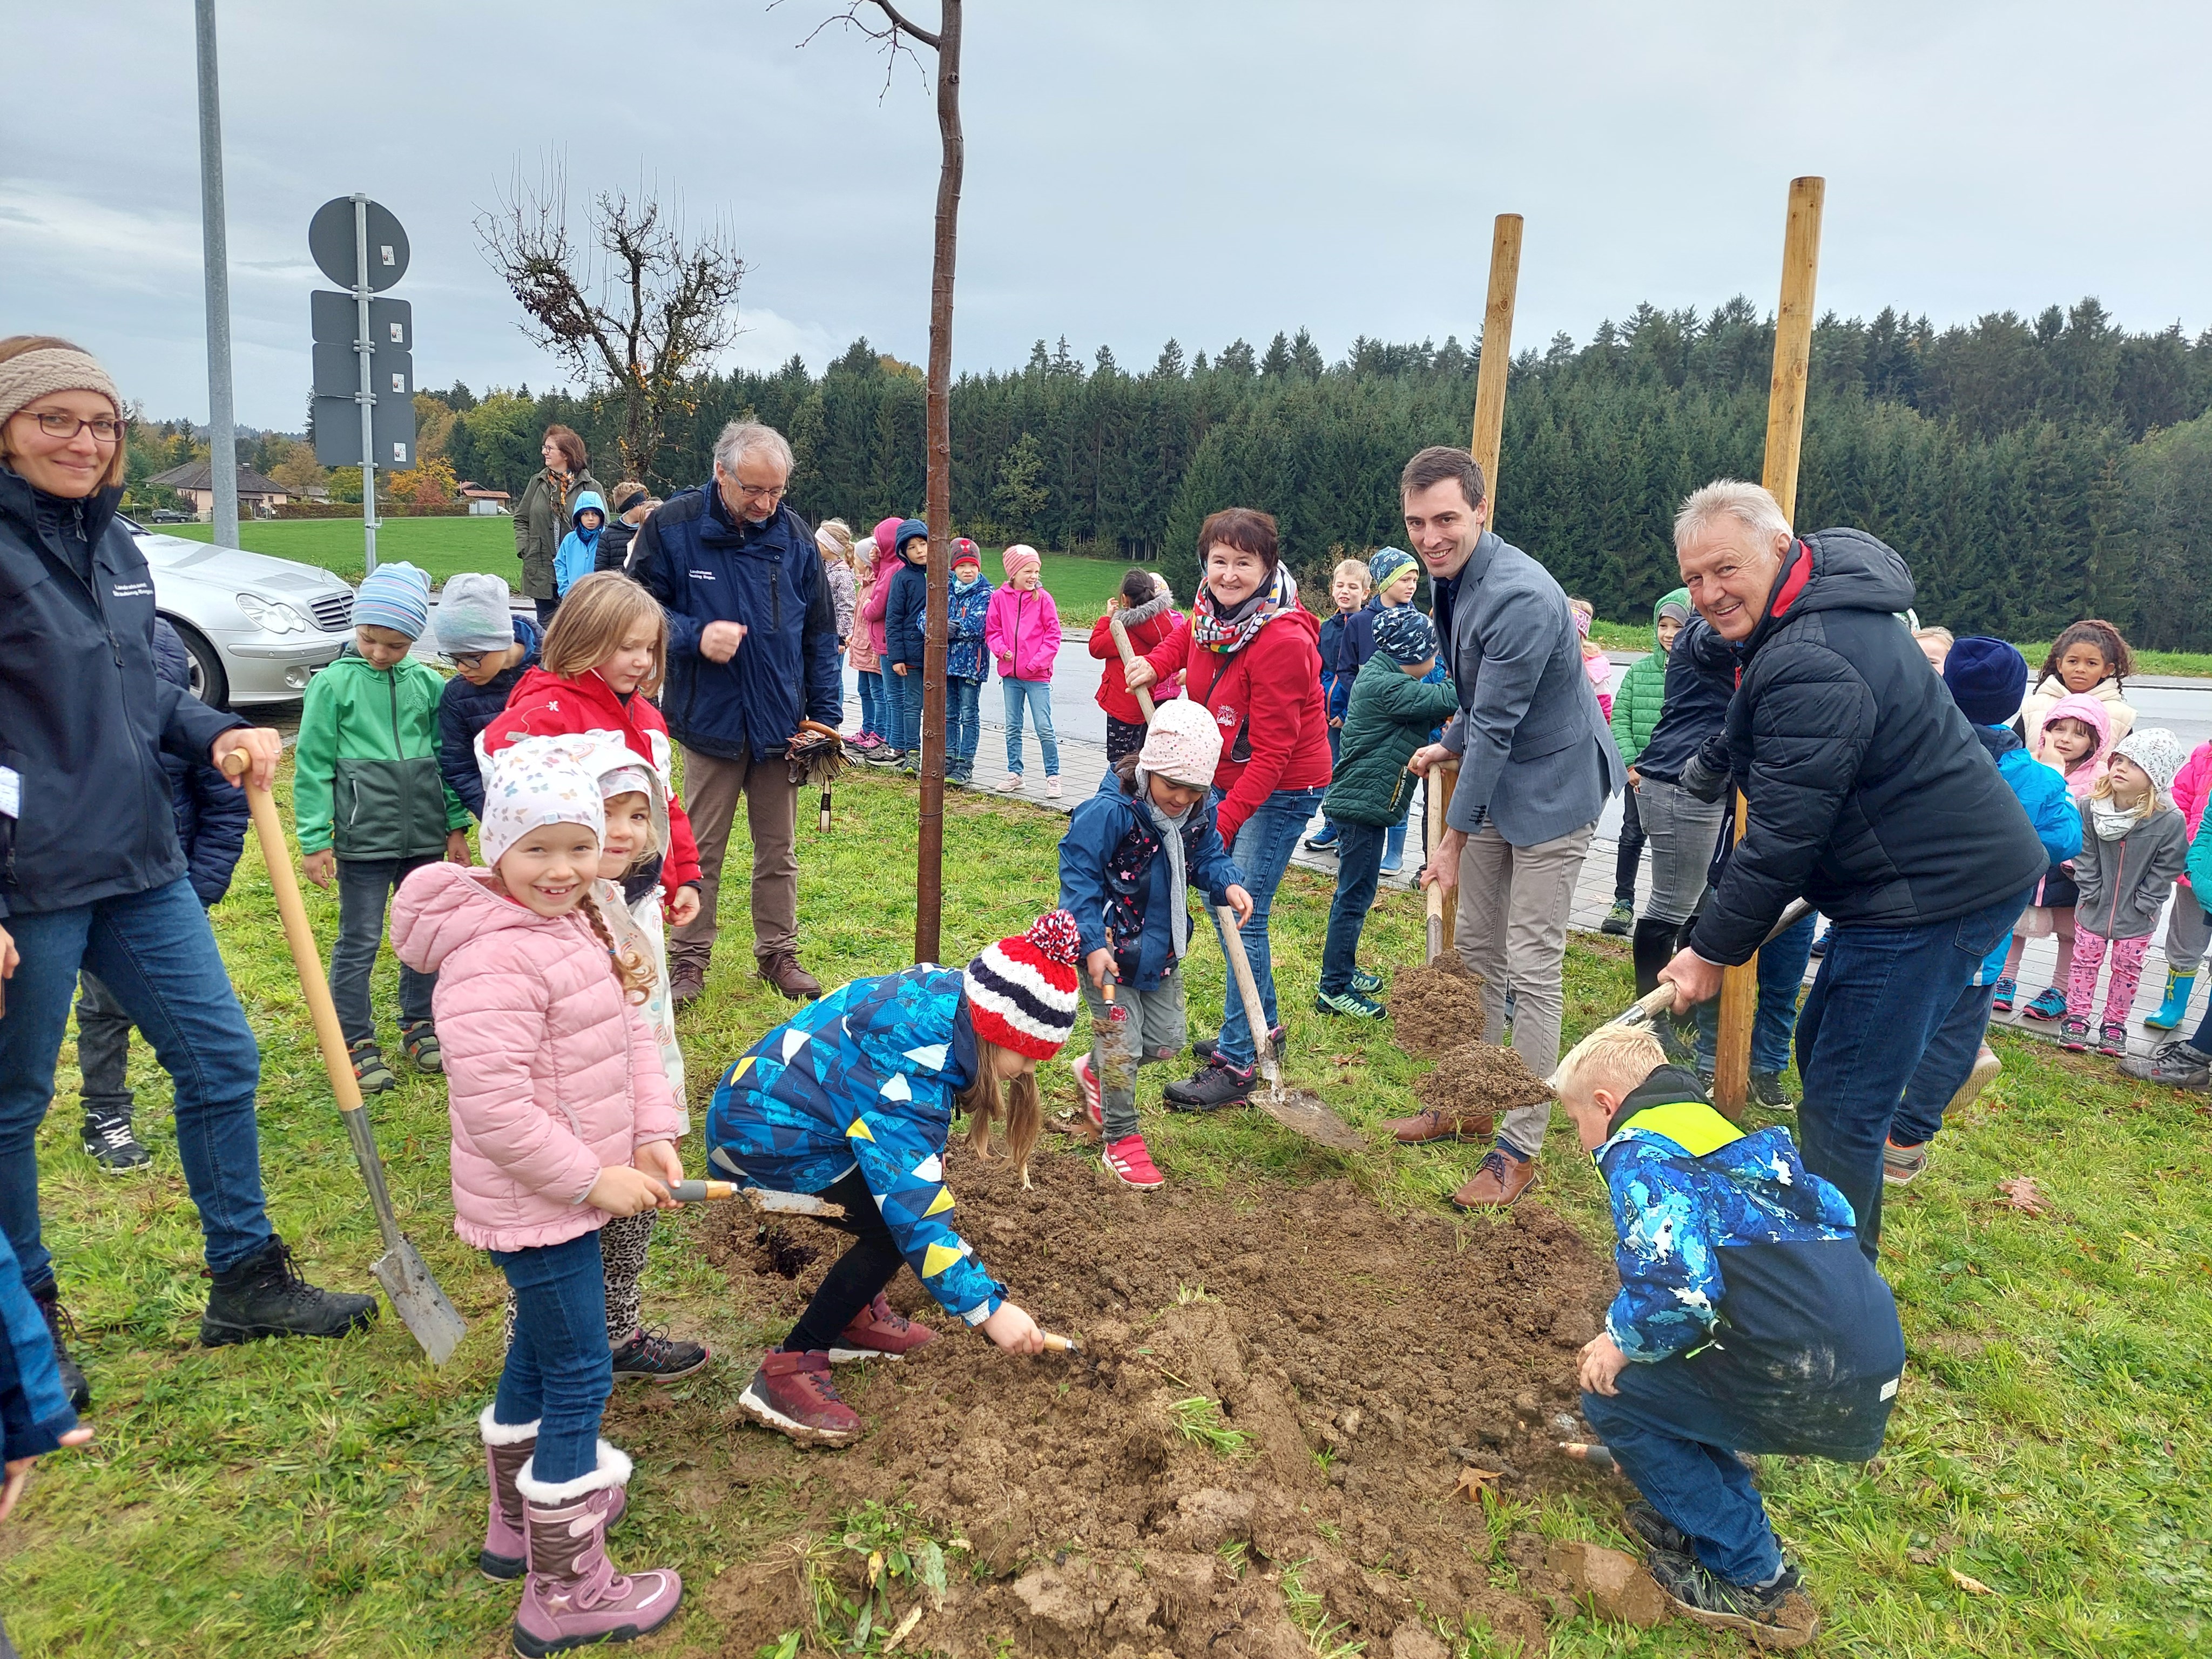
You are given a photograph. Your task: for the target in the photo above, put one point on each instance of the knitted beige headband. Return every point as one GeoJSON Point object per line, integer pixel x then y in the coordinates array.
{"type": "Point", "coordinates": [36, 375]}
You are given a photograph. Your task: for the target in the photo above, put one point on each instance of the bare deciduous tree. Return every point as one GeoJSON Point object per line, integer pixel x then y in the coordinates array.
{"type": "Point", "coordinates": [641, 307]}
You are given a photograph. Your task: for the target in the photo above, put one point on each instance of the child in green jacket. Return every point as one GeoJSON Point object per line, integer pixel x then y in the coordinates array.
{"type": "Point", "coordinates": [1393, 709]}
{"type": "Point", "coordinates": [1635, 716]}
{"type": "Point", "coordinates": [370, 807]}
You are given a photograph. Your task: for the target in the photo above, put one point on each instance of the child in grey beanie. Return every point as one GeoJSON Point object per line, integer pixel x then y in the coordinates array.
{"type": "Point", "coordinates": [492, 648]}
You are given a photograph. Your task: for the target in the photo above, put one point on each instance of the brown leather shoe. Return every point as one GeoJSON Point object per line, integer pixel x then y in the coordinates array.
{"type": "Point", "coordinates": [687, 981]}
{"type": "Point", "coordinates": [782, 971]}
{"type": "Point", "coordinates": [1430, 1124]}
{"type": "Point", "coordinates": [1501, 1180]}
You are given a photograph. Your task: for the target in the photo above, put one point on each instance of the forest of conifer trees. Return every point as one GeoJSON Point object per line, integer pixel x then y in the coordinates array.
{"type": "Point", "coordinates": [2031, 470]}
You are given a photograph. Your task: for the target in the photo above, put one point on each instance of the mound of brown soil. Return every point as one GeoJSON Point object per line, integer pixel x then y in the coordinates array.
{"type": "Point", "coordinates": [1436, 1006]}
{"type": "Point", "coordinates": [1479, 1079]}
{"type": "Point", "coordinates": [1367, 1360]}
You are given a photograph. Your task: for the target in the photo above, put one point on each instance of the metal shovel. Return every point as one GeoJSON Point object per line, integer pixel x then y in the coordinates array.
{"type": "Point", "coordinates": [416, 1297]}
{"type": "Point", "coordinates": [1294, 1108]}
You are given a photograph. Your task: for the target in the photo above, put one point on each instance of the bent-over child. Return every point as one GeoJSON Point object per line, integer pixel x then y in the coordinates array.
{"type": "Point", "coordinates": [2133, 845]}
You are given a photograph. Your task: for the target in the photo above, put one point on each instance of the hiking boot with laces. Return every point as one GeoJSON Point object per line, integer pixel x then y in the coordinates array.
{"type": "Point", "coordinates": [2005, 991]}
{"type": "Point", "coordinates": [1903, 1165]}
{"type": "Point", "coordinates": [1432, 1123]}
{"type": "Point", "coordinates": [687, 981]}
{"type": "Point", "coordinates": [656, 1356]}
{"type": "Point", "coordinates": [792, 1394]}
{"type": "Point", "coordinates": [61, 1327]}
{"type": "Point", "coordinates": [879, 1332]}
{"type": "Point", "coordinates": [2113, 1039]}
{"type": "Point", "coordinates": [1129, 1161]}
{"type": "Point", "coordinates": [1350, 1004]}
{"type": "Point", "coordinates": [369, 1071]}
{"type": "Point", "coordinates": [1768, 1090]}
{"type": "Point", "coordinates": [2177, 1065]}
{"type": "Point", "coordinates": [109, 1143]}
{"type": "Point", "coordinates": [1204, 1048]}
{"type": "Point", "coordinates": [1776, 1615]}
{"type": "Point", "coordinates": [420, 1044]}
{"type": "Point", "coordinates": [2051, 1005]}
{"type": "Point", "coordinates": [1366, 984]}
{"type": "Point", "coordinates": [1498, 1183]}
{"type": "Point", "coordinates": [2073, 1036]}
{"type": "Point", "coordinates": [1216, 1083]}
{"type": "Point", "coordinates": [782, 971]}
{"type": "Point", "coordinates": [1086, 1085]}
{"type": "Point", "coordinates": [1657, 1531]}
{"type": "Point", "coordinates": [265, 1296]}
{"type": "Point", "coordinates": [1619, 920]}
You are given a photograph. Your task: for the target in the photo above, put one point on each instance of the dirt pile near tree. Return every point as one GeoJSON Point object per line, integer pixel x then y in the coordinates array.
{"type": "Point", "coordinates": [1270, 1430]}
{"type": "Point", "coordinates": [1436, 1006]}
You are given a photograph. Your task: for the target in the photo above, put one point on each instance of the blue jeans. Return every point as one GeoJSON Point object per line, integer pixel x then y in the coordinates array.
{"type": "Point", "coordinates": [1264, 845]}
{"type": "Point", "coordinates": [1035, 696]}
{"type": "Point", "coordinates": [156, 952]}
{"type": "Point", "coordinates": [1880, 996]}
{"type": "Point", "coordinates": [1358, 872]}
{"type": "Point", "coordinates": [903, 692]}
{"type": "Point", "coordinates": [559, 1369]}
{"type": "Point", "coordinates": [871, 699]}
{"type": "Point", "coordinates": [364, 885]}
{"type": "Point", "coordinates": [1944, 1068]}
{"type": "Point", "coordinates": [963, 720]}
{"type": "Point", "coordinates": [1781, 974]}
{"type": "Point", "coordinates": [1675, 1431]}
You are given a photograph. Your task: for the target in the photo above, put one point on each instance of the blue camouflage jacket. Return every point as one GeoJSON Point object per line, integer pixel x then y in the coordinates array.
{"type": "Point", "coordinates": [1727, 1244]}
{"type": "Point", "coordinates": [866, 1077]}
{"type": "Point", "coordinates": [965, 656]}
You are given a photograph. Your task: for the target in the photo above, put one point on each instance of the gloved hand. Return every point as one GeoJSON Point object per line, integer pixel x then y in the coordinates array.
{"type": "Point", "coordinates": [1707, 776]}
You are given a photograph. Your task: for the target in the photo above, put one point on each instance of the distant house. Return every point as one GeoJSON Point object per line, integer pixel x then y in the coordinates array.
{"type": "Point", "coordinates": [483, 500]}
{"type": "Point", "coordinates": [257, 496]}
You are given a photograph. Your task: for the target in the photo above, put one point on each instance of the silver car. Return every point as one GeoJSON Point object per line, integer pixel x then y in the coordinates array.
{"type": "Point", "coordinates": [256, 627]}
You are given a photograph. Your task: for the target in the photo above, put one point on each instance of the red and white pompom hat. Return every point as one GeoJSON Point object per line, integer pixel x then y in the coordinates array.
{"type": "Point", "coordinates": [1022, 991]}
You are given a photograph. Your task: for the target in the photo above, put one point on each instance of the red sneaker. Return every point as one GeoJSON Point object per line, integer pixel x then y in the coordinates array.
{"type": "Point", "coordinates": [1086, 1084]}
{"type": "Point", "coordinates": [1128, 1162]}
{"type": "Point", "coordinates": [792, 1394]}
{"type": "Point", "coordinates": [879, 1334]}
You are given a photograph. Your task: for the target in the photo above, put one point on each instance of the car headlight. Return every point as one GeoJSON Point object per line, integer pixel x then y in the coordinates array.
{"type": "Point", "coordinates": [272, 615]}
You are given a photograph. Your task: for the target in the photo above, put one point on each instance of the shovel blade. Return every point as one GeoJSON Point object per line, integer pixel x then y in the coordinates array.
{"type": "Point", "coordinates": [1308, 1115]}
{"type": "Point", "coordinates": [421, 1305]}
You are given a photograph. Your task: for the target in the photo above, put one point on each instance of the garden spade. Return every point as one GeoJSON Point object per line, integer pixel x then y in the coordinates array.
{"type": "Point", "coordinates": [1294, 1108]}
{"type": "Point", "coordinates": [416, 1297]}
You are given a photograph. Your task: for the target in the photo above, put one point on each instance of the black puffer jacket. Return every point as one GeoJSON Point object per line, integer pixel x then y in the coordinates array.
{"type": "Point", "coordinates": [1700, 680]}
{"type": "Point", "coordinates": [1869, 793]}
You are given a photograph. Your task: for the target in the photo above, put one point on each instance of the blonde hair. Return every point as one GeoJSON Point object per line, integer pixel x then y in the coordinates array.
{"type": "Point", "coordinates": [1945, 635]}
{"type": "Point", "coordinates": [592, 622]}
{"type": "Point", "coordinates": [1352, 567]}
{"type": "Point", "coordinates": [632, 971]}
{"type": "Point", "coordinates": [1613, 1057]}
{"type": "Point", "coordinates": [2102, 789]}
{"type": "Point", "coordinates": [15, 346]}
{"type": "Point", "coordinates": [839, 537]}
{"type": "Point", "coordinates": [1017, 1100]}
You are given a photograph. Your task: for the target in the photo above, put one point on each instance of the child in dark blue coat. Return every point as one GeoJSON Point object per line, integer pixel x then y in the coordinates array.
{"type": "Point", "coordinates": [1748, 1320]}
{"type": "Point", "coordinates": [491, 649]}
{"type": "Point", "coordinates": [1130, 856]}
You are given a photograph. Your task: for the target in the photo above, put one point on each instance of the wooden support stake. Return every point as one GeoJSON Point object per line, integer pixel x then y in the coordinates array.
{"type": "Point", "coordinates": [1496, 357]}
{"type": "Point", "coordinates": [1786, 431]}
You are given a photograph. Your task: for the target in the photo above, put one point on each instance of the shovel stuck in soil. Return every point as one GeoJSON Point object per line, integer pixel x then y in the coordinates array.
{"type": "Point", "coordinates": [416, 1297]}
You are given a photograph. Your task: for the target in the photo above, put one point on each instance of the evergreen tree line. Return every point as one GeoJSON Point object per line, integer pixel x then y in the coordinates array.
{"type": "Point", "coordinates": [2031, 470]}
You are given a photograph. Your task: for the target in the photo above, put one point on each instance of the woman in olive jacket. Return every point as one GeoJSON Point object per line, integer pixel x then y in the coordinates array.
{"type": "Point", "coordinates": [541, 517]}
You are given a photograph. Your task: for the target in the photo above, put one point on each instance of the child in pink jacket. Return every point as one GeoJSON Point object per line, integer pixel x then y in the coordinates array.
{"type": "Point", "coordinates": [562, 1117]}
{"type": "Point", "coordinates": [1021, 631]}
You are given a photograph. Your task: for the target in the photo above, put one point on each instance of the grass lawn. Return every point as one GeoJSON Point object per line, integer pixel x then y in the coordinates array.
{"type": "Point", "coordinates": [309, 1499]}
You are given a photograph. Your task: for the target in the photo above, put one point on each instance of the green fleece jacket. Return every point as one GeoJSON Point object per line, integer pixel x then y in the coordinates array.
{"type": "Point", "coordinates": [365, 770]}
{"type": "Point", "coordinates": [1389, 716]}
{"type": "Point", "coordinates": [1636, 705]}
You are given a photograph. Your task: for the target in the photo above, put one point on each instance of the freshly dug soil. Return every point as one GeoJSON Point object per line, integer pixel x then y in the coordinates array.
{"type": "Point", "coordinates": [1436, 1006]}
{"type": "Point", "coordinates": [1479, 1078]}
{"type": "Point", "coordinates": [1370, 1359]}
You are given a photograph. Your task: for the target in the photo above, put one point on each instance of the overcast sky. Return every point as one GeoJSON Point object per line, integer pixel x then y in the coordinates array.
{"type": "Point", "coordinates": [1136, 169]}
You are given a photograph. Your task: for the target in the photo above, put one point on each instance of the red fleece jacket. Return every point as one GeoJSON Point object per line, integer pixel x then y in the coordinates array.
{"type": "Point", "coordinates": [1267, 699]}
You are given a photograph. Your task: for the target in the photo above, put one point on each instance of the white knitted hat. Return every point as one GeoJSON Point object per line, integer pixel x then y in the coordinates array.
{"type": "Point", "coordinates": [1184, 744]}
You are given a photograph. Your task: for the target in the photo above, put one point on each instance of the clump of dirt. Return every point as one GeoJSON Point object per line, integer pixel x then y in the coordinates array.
{"type": "Point", "coordinates": [776, 1250]}
{"type": "Point", "coordinates": [1480, 1081]}
{"type": "Point", "coordinates": [1359, 1362]}
{"type": "Point", "coordinates": [1436, 1006]}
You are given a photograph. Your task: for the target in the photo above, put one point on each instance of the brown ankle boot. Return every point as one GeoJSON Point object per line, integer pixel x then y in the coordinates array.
{"type": "Point", "coordinates": [782, 971]}
{"type": "Point", "coordinates": [1433, 1124]}
{"type": "Point", "coordinates": [1501, 1180]}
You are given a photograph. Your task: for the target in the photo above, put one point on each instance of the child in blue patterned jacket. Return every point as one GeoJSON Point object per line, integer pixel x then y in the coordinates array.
{"type": "Point", "coordinates": [1748, 1320]}
{"type": "Point", "coordinates": [966, 662]}
{"type": "Point", "coordinates": [852, 1100]}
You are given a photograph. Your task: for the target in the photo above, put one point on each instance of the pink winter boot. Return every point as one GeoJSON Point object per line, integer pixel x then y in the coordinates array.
{"type": "Point", "coordinates": [574, 1597]}
{"type": "Point", "coordinates": [506, 1449]}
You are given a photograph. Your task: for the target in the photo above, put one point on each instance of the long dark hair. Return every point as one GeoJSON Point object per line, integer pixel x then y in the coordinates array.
{"type": "Point", "coordinates": [2091, 630]}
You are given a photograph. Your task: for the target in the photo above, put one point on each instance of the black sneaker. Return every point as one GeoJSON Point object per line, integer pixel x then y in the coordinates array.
{"type": "Point", "coordinates": [1657, 1531]}
{"type": "Point", "coordinates": [1204, 1047]}
{"type": "Point", "coordinates": [2177, 1065]}
{"type": "Point", "coordinates": [265, 1296]}
{"type": "Point", "coordinates": [1776, 1615]}
{"type": "Point", "coordinates": [1216, 1083]}
{"type": "Point", "coordinates": [654, 1357]}
{"type": "Point", "coordinates": [60, 1327]}
{"type": "Point", "coordinates": [1766, 1088]}
{"type": "Point", "coordinates": [109, 1143]}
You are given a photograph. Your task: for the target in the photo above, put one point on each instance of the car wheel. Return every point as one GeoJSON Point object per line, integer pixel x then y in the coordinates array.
{"type": "Point", "coordinates": [208, 681]}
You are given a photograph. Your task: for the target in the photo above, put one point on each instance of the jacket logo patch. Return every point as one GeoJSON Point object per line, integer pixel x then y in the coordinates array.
{"type": "Point", "coordinates": [134, 590]}
{"type": "Point", "coordinates": [1225, 718]}
{"type": "Point", "coordinates": [703, 575]}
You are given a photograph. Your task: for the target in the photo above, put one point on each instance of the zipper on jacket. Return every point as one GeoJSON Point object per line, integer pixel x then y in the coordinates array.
{"type": "Point", "coordinates": [775, 596]}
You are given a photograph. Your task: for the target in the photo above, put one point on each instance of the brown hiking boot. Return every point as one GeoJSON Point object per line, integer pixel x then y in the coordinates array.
{"type": "Point", "coordinates": [792, 1394]}
{"type": "Point", "coordinates": [1501, 1180]}
{"type": "Point", "coordinates": [1432, 1124]}
{"type": "Point", "coordinates": [687, 981]}
{"type": "Point", "coordinates": [782, 971]}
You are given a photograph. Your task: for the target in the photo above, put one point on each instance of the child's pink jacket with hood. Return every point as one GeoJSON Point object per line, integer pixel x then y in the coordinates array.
{"type": "Point", "coordinates": [551, 1073]}
{"type": "Point", "coordinates": [2190, 785]}
{"type": "Point", "coordinates": [2092, 713]}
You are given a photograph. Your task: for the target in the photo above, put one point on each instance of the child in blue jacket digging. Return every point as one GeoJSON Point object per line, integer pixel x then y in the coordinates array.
{"type": "Point", "coordinates": [1748, 1320]}
{"type": "Point", "coordinates": [852, 1100]}
{"type": "Point", "coordinates": [1128, 861]}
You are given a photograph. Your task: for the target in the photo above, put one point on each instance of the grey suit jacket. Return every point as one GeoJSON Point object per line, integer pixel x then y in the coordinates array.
{"type": "Point", "coordinates": [1535, 752]}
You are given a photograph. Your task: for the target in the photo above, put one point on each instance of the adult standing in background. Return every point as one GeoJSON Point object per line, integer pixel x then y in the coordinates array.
{"type": "Point", "coordinates": [752, 650]}
{"type": "Point", "coordinates": [1536, 764]}
{"type": "Point", "coordinates": [541, 517]}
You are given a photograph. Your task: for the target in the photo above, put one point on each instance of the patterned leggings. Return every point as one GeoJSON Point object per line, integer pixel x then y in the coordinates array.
{"type": "Point", "coordinates": [622, 1251]}
{"type": "Point", "coordinates": [2082, 988]}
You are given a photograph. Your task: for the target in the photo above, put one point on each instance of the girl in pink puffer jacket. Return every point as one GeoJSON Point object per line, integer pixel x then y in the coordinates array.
{"type": "Point", "coordinates": [562, 1117]}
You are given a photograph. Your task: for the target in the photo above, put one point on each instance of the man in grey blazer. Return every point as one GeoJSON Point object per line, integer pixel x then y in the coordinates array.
{"type": "Point", "coordinates": [1536, 764]}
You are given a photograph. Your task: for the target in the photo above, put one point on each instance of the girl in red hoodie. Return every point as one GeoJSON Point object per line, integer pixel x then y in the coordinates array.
{"type": "Point", "coordinates": [1148, 614]}
{"type": "Point", "coordinates": [1252, 655]}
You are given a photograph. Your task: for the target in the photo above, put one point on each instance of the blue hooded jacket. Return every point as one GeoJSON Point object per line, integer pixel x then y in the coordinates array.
{"type": "Point", "coordinates": [965, 656]}
{"type": "Point", "coordinates": [865, 1078]}
{"type": "Point", "coordinates": [578, 553]}
{"type": "Point", "coordinates": [2050, 808]}
{"type": "Point", "coordinates": [906, 615]}
{"type": "Point", "coordinates": [1114, 879]}
{"type": "Point", "coordinates": [211, 811]}
{"type": "Point", "coordinates": [463, 711]}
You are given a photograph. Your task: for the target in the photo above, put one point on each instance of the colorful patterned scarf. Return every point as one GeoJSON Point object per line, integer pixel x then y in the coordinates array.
{"type": "Point", "coordinates": [1226, 633]}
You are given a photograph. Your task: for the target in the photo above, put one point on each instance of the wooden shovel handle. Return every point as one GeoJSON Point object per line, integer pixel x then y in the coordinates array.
{"type": "Point", "coordinates": [1130, 660]}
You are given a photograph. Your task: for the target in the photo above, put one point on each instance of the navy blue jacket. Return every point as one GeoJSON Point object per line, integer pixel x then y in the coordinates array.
{"type": "Point", "coordinates": [906, 615]}
{"type": "Point", "coordinates": [704, 568]}
{"type": "Point", "coordinates": [1345, 652]}
{"type": "Point", "coordinates": [1114, 879]}
{"type": "Point", "coordinates": [212, 810]}
{"type": "Point", "coordinates": [85, 720]}
{"type": "Point", "coordinates": [1700, 680]}
{"type": "Point", "coordinates": [463, 710]}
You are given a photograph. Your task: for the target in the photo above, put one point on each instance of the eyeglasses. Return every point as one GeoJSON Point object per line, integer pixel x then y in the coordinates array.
{"type": "Point", "coordinates": [468, 661]}
{"type": "Point", "coordinates": [106, 430]}
{"type": "Point", "coordinates": [761, 492]}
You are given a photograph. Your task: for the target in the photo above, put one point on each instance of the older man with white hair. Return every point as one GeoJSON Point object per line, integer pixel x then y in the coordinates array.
{"type": "Point", "coordinates": [1868, 795]}
{"type": "Point", "coordinates": [752, 650]}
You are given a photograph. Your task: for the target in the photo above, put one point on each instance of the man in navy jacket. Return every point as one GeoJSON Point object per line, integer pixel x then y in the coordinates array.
{"type": "Point", "coordinates": [752, 650]}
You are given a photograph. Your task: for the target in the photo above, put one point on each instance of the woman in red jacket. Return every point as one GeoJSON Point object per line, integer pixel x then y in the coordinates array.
{"type": "Point", "coordinates": [1252, 656]}
{"type": "Point", "coordinates": [1148, 615]}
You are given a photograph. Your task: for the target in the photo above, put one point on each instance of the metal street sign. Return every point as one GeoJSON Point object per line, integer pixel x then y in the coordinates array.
{"type": "Point", "coordinates": [337, 432]}
{"type": "Point", "coordinates": [338, 373]}
{"type": "Point", "coordinates": [330, 239]}
{"type": "Point", "coordinates": [363, 349]}
{"type": "Point", "coordinates": [334, 318]}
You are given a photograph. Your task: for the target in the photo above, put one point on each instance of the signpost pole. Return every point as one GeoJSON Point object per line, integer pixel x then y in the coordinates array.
{"type": "Point", "coordinates": [223, 422]}
{"type": "Point", "coordinates": [367, 349]}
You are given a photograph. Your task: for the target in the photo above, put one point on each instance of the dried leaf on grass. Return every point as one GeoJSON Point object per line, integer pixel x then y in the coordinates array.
{"type": "Point", "coordinates": [1972, 1586]}
{"type": "Point", "coordinates": [1474, 1482]}
{"type": "Point", "coordinates": [2021, 1193]}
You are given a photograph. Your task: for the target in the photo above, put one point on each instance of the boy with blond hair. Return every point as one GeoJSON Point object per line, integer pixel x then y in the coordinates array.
{"type": "Point", "coordinates": [1748, 1320]}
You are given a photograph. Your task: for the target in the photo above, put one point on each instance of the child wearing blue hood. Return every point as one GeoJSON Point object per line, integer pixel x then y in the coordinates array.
{"type": "Point", "coordinates": [579, 549]}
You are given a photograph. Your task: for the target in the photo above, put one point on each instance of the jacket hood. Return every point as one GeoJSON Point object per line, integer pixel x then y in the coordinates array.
{"type": "Point", "coordinates": [1675, 605]}
{"type": "Point", "coordinates": [588, 500]}
{"type": "Point", "coordinates": [442, 906]}
{"type": "Point", "coordinates": [1999, 740]}
{"type": "Point", "coordinates": [22, 502]}
{"type": "Point", "coordinates": [1835, 570]}
{"type": "Point", "coordinates": [2090, 710]}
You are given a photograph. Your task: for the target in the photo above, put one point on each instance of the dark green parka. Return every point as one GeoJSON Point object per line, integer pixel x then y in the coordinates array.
{"type": "Point", "coordinates": [1389, 716]}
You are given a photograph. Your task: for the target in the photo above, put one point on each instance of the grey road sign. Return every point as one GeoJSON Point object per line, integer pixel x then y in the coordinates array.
{"type": "Point", "coordinates": [330, 239]}
{"type": "Point", "coordinates": [334, 318]}
{"type": "Point", "coordinates": [337, 431]}
{"type": "Point", "coordinates": [337, 372]}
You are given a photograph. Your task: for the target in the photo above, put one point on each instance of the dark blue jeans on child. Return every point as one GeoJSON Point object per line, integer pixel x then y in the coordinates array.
{"type": "Point", "coordinates": [1358, 872]}
{"type": "Point", "coordinates": [559, 1369]}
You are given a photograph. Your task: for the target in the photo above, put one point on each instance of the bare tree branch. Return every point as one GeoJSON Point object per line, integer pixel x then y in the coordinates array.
{"type": "Point", "coordinates": [893, 34]}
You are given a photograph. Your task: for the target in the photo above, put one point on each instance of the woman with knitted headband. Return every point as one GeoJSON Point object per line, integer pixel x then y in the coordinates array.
{"type": "Point", "coordinates": [852, 1100]}
{"type": "Point", "coordinates": [91, 875]}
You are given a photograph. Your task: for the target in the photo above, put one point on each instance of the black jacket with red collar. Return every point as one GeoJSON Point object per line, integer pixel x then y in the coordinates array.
{"type": "Point", "coordinates": [1869, 793]}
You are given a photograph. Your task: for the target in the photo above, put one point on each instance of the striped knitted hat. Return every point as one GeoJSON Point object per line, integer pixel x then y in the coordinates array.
{"type": "Point", "coordinates": [1021, 991]}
